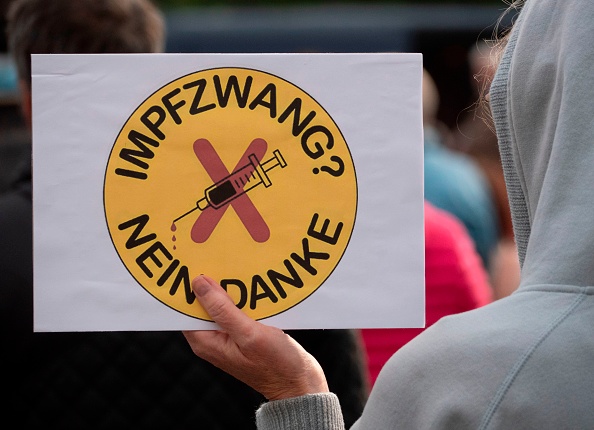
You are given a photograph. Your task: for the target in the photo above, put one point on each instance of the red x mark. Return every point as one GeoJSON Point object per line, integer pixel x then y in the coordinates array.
{"type": "Point", "coordinates": [243, 206]}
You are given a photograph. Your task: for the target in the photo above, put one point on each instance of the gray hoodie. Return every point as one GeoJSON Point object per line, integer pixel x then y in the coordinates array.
{"type": "Point", "coordinates": [526, 361]}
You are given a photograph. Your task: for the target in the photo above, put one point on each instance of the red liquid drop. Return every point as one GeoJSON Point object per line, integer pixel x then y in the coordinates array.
{"type": "Point", "coordinates": [173, 238]}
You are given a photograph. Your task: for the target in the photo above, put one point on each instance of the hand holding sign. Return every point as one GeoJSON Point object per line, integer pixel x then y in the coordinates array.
{"type": "Point", "coordinates": [263, 357]}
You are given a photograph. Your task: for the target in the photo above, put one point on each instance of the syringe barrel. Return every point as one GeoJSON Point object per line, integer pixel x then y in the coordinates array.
{"type": "Point", "coordinates": [240, 181]}
{"type": "Point", "coordinates": [219, 193]}
{"type": "Point", "coordinates": [234, 185]}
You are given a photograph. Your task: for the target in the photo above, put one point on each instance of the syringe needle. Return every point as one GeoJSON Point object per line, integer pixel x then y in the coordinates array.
{"type": "Point", "coordinates": [187, 213]}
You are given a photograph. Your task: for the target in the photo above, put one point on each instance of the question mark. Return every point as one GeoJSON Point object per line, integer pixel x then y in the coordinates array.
{"type": "Point", "coordinates": [339, 171]}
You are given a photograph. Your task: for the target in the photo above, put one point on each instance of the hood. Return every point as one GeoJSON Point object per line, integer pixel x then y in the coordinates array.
{"type": "Point", "coordinates": [542, 99]}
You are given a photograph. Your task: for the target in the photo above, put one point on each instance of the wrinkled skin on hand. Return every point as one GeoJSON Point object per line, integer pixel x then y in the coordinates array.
{"type": "Point", "coordinates": [263, 357]}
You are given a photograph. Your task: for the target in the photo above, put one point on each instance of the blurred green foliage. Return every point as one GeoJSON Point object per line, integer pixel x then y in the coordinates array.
{"type": "Point", "coordinates": [183, 3]}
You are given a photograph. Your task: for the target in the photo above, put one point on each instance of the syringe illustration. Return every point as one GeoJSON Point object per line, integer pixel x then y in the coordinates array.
{"type": "Point", "coordinates": [238, 182]}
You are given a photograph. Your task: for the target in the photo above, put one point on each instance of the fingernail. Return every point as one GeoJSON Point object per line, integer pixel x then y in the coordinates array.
{"type": "Point", "coordinates": [200, 286]}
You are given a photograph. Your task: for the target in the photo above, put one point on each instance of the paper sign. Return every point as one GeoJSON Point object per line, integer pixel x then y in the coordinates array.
{"type": "Point", "coordinates": [294, 180]}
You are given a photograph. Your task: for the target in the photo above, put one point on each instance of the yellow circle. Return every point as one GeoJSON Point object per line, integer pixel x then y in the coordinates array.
{"type": "Point", "coordinates": [233, 173]}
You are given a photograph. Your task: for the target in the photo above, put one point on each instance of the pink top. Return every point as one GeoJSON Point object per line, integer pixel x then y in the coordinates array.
{"type": "Point", "coordinates": [455, 281]}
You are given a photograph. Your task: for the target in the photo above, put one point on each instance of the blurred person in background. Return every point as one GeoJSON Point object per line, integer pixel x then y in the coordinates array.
{"type": "Point", "coordinates": [132, 379]}
{"type": "Point", "coordinates": [475, 136]}
{"type": "Point", "coordinates": [454, 182]}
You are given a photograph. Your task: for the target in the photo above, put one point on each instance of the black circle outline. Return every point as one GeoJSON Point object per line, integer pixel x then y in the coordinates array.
{"type": "Point", "coordinates": [265, 73]}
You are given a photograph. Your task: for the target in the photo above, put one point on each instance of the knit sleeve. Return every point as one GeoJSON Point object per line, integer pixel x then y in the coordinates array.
{"type": "Point", "coordinates": [310, 412]}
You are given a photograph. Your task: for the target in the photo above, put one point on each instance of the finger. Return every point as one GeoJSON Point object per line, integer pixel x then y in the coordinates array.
{"type": "Point", "coordinates": [205, 343]}
{"type": "Point", "coordinates": [219, 306]}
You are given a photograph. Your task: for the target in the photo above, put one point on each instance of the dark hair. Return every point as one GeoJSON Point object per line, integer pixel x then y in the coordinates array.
{"type": "Point", "coordinates": [81, 26]}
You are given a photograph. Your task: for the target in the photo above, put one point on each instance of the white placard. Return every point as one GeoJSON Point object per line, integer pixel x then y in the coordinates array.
{"type": "Point", "coordinates": [134, 163]}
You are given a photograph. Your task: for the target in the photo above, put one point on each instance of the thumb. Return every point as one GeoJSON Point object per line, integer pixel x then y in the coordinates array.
{"type": "Point", "coordinates": [220, 307]}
